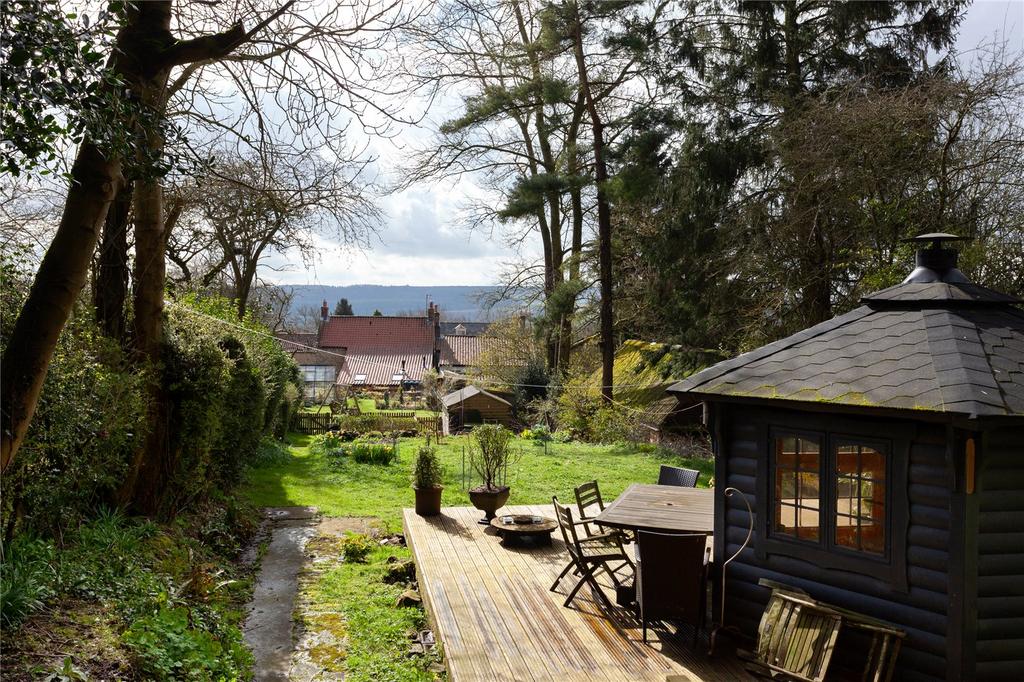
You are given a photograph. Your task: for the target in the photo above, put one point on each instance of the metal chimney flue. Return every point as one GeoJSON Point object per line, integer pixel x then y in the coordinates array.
{"type": "Point", "coordinates": [935, 263]}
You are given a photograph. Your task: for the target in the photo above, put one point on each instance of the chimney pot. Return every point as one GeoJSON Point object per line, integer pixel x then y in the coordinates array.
{"type": "Point", "coordinates": [935, 263]}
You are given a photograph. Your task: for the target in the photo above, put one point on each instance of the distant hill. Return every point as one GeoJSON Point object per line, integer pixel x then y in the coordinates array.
{"type": "Point", "coordinates": [456, 302]}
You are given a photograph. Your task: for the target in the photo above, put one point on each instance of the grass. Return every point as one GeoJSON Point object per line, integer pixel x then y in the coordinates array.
{"type": "Point", "coordinates": [347, 488]}
{"type": "Point", "coordinates": [373, 628]}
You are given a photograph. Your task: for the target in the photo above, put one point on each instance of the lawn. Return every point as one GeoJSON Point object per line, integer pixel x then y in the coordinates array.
{"type": "Point", "coordinates": [351, 489]}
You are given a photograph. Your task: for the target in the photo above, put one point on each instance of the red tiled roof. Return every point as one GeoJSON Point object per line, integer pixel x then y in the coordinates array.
{"type": "Point", "coordinates": [356, 332]}
{"type": "Point", "coordinates": [295, 342]}
{"type": "Point", "coordinates": [381, 368]}
{"type": "Point", "coordinates": [464, 351]}
{"type": "Point", "coordinates": [376, 346]}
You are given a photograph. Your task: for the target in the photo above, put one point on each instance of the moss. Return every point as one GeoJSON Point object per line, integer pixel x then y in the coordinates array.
{"type": "Point", "coordinates": [330, 657]}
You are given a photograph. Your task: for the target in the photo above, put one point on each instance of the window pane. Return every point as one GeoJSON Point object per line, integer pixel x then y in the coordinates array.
{"type": "Point", "coordinates": [797, 487]}
{"type": "Point", "coordinates": [873, 463]}
{"type": "Point", "coordinates": [860, 498]}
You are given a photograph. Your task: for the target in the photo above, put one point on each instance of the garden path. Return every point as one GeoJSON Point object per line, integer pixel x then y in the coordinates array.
{"type": "Point", "coordinates": [268, 627]}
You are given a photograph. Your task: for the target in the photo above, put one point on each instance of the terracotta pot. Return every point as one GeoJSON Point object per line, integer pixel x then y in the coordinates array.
{"type": "Point", "coordinates": [488, 500]}
{"type": "Point", "coordinates": [428, 501]}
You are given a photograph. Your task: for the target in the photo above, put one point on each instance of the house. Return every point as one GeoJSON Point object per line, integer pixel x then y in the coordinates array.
{"type": "Point", "coordinates": [473, 405]}
{"type": "Point", "coordinates": [319, 368]}
{"type": "Point", "coordinates": [381, 352]}
{"type": "Point", "coordinates": [882, 452]}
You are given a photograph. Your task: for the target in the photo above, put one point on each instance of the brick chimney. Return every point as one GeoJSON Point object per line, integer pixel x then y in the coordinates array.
{"type": "Point", "coordinates": [435, 314]}
{"type": "Point", "coordinates": [325, 311]}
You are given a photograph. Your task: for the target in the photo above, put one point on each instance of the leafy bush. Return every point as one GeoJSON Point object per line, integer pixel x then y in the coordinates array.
{"type": "Point", "coordinates": [539, 433]}
{"type": "Point", "coordinates": [167, 647]}
{"type": "Point", "coordinates": [26, 579]}
{"type": "Point", "coordinates": [372, 453]}
{"type": "Point", "coordinates": [562, 436]}
{"type": "Point", "coordinates": [491, 453]}
{"type": "Point", "coordinates": [325, 443]}
{"type": "Point", "coordinates": [356, 547]}
{"type": "Point", "coordinates": [271, 452]}
{"type": "Point", "coordinates": [228, 389]}
{"type": "Point", "coordinates": [90, 417]}
{"type": "Point", "coordinates": [585, 416]}
{"type": "Point", "coordinates": [427, 471]}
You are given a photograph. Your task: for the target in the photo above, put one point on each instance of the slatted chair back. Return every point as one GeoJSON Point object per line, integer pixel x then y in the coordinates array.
{"type": "Point", "coordinates": [672, 576]}
{"type": "Point", "coordinates": [563, 515]}
{"type": "Point", "coordinates": [797, 637]}
{"type": "Point", "coordinates": [589, 495]}
{"type": "Point", "coordinates": [685, 478]}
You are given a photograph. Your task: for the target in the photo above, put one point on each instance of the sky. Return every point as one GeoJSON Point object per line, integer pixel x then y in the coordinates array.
{"type": "Point", "coordinates": [422, 239]}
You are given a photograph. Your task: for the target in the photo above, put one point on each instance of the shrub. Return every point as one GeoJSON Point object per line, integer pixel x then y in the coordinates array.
{"type": "Point", "coordinates": [372, 453]}
{"type": "Point", "coordinates": [356, 547]}
{"type": "Point", "coordinates": [26, 579]}
{"type": "Point", "coordinates": [325, 443]}
{"type": "Point", "coordinates": [271, 452]}
{"type": "Point", "coordinates": [167, 647]}
{"type": "Point", "coordinates": [585, 416]}
{"type": "Point", "coordinates": [491, 454]}
{"type": "Point", "coordinates": [90, 417]}
{"type": "Point", "coordinates": [427, 471]}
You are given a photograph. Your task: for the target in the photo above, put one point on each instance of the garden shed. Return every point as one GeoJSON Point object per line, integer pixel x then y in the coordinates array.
{"type": "Point", "coordinates": [882, 452]}
{"type": "Point", "coordinates": [474, 405]}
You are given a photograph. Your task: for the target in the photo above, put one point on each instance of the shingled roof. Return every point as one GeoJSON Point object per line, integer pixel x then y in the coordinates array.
{"type": "Point", "coordinates": [943, 346]}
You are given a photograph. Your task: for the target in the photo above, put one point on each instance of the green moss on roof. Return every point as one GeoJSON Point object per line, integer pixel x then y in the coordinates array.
{"type": "Point", "coordinates": [643, 371]}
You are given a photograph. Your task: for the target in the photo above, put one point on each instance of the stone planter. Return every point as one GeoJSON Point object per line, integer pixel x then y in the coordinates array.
{"type": "Point", "coordinates": [428, 500]}
{"type": "Point", "coordinates": [488, 500]}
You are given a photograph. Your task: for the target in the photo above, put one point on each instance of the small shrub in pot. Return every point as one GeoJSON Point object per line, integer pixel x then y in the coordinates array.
{"type": "Point", "coordinates": [426, 481]}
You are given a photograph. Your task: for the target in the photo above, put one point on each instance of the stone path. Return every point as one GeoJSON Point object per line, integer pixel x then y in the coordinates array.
{"type": "Point", "coordinates": [268, 627]}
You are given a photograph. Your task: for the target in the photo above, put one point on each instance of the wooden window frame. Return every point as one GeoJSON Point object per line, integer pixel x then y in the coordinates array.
{"type": "Point", "coordinates": [889, 568]}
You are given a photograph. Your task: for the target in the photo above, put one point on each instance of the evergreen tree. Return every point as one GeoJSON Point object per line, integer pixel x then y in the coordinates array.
{"type": "Point", "coordinates": [343, 307]}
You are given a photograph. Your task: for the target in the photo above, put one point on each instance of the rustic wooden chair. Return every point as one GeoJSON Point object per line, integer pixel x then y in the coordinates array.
{"type": "Point", "coordinates": [795, 640]}
{"type": "Point", "coordinates": [685, 478]}
{"type": "Point", "coordinates": [590, 504]}
{"type": "Point", "coordinates": [588, 555]}
{"type": "Point", "coordinates": [672, 579]}
{"type": "Point", "coordinates": [886, 639]}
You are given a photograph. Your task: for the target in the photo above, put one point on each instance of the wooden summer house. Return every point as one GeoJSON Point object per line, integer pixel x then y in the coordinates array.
{"type": "Point", "coordinates": [473, 405]}
{"type": "Point", "coordinates": [882, 453]}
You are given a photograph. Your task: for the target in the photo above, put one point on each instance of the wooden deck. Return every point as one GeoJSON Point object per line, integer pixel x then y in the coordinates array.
{"type": "Point", "coordinates": [497, 620]}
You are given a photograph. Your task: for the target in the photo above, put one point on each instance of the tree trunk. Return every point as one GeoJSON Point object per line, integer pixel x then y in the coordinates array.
{"type": "Point", "coordinates": [576, 207]}
{"type": "Point", "coordinates": [61, 276]}
{"type": "Point", "coordinates": [604, 215]}
{"type": "Point", "coordinates": [112, 275]}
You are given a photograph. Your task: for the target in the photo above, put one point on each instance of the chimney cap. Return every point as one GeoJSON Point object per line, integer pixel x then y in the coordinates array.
{"type": "Point", "coordinates": [935, 263]}
{"type": "Point", "coordinates": [936, 238]}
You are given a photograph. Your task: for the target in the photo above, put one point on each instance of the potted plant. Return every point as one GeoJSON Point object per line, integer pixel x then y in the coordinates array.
{"type": "Point", "coordinates": [426, 481]}
{"type": "Point", "coordinates": [489, 458]}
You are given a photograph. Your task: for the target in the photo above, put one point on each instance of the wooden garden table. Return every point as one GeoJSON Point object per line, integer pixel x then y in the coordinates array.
{"type": "Point", "coordinates": [662, 508]}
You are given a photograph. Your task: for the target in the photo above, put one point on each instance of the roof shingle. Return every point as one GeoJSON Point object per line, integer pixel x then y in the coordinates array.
{"type": "Point", "coordinates": [942, 347]}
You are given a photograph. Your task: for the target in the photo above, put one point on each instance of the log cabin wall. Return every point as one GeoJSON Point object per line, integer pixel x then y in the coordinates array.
{"type": "Point", "coordinates": [997, 513]}
{"type": "Point", "coordinates": [920, 605]}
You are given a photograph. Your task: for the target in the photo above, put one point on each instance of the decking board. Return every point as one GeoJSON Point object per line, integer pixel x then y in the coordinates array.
{"type": "Point", "coordinates": [497, 620]}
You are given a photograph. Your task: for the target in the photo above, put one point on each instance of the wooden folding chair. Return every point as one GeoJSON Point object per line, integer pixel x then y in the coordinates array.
{"type": "Point", "coordinates": [590, 504]}
{"type": "Point", "coordinates": [587, 555]}
{"type": "Point", "coordinates": [795, 640]}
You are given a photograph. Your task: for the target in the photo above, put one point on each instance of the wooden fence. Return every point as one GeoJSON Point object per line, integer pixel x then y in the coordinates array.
{"type": "Point", "coordinates": [306, 422]}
